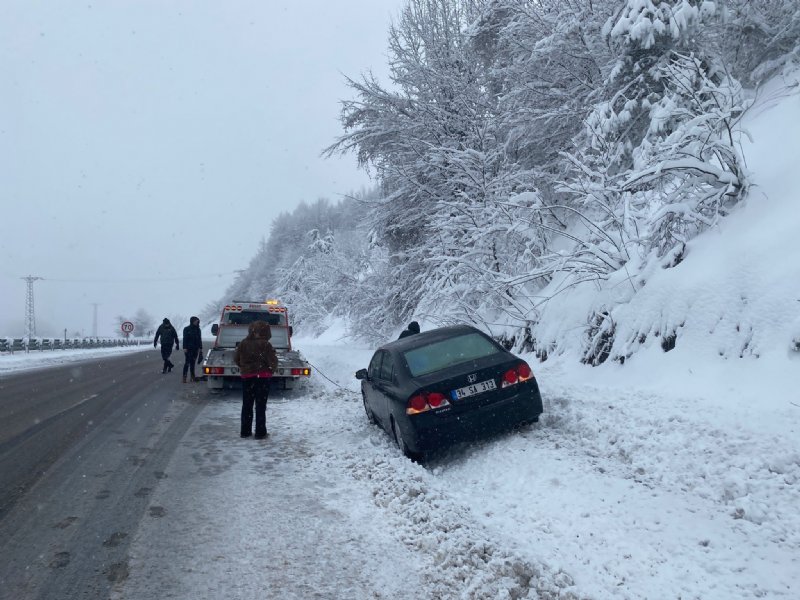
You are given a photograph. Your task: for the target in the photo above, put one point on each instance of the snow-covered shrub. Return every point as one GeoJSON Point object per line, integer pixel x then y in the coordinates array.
{"type": "Point", "coordinates": [600, 338]}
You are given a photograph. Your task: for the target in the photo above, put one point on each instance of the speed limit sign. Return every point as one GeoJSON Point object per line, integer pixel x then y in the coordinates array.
{"type": "Point", "coordinates": [127, 327]}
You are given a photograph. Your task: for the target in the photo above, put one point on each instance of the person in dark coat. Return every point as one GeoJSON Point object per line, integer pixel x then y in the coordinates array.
{"type": "Point", "coordinates": [168, 337]}
{"type": "Point", "coordinates": [412, 328]}
{"type": "Point", "coordinates": [192, 347]}
{"type": "Point", "coordinates": [257, 360]}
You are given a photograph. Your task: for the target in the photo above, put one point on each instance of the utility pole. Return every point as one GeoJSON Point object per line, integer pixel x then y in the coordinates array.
{"type": "Point", "coordinates": [94, 320]}
{"type": "Point", "coordinates": [30, 315]}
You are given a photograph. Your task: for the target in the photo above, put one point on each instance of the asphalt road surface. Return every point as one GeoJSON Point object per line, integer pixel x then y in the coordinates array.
{"type": "Point", "coordinates": [81, 448]}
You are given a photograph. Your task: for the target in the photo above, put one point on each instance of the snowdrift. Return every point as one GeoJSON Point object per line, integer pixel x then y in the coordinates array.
{"type": "Point", "coordinates": [734, 293]}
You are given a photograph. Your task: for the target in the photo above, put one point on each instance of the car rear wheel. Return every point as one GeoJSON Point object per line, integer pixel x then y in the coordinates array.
{"type": "Point", "coordinates": [401, 443]}
{"type": "Point", "coordinates": [368, 410]}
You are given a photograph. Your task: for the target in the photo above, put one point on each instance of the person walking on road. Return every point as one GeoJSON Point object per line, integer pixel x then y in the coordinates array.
{"type": "Point", "coordinates": [257, 360]}
{"type": "Point", "coordinates": [168, 337]}
{"type": "Point", "coordinates": [192, 347]}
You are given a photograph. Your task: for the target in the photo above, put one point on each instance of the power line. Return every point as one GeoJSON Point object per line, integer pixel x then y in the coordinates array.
{"type": "Point", "coordinates": [145, 279]}
{"type": "Point", "coordinates": [140, 279]}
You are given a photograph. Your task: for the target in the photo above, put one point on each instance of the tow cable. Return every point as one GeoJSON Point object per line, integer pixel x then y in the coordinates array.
{"type": "Point", "coordinates": [328, 378]}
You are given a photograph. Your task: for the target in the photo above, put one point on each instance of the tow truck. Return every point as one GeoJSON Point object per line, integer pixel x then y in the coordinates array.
{"type": "Point", "coordinates": [234, 322]}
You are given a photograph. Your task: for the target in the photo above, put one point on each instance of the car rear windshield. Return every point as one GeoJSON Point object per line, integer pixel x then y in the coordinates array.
{"type": "Point", "coordinates": [446, 353]}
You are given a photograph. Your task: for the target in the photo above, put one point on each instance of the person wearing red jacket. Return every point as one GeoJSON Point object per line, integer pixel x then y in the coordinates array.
{"type": "Point", "coordinates": [257, 360]}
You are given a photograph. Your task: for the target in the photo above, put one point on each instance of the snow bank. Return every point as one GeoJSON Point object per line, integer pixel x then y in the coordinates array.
{"type": "Point", "coordinates": [736, 292]}
{"type": "Point", "coordinates": [26, 361]}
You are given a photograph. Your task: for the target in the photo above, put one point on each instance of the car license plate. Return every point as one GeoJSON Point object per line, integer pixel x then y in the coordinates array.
{"type": "Point", "coordinates": [475, 388]}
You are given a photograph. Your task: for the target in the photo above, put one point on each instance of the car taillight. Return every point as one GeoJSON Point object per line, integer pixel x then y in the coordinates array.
{"type": "Point", "coordinates": [417, 404]}
{"type": "Point", "coordinates": [435, 400]}
{"type": "Point", "coordinates": [214, 370]}
{"type": "Point", "coordinates": [305, 372]}
{"type": "Point", "coordinates": [517, 374]}
{"type": "Point", "coordinates": [524, 371]}
{"type": "Point", "coordinates": [425, 401]}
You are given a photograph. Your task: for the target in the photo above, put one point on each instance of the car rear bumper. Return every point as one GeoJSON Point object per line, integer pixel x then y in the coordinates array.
{"type": "Point", "coordinates": [425, 432]}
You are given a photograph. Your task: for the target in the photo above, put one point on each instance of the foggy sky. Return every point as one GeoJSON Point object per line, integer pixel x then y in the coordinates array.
{"type": "Point", "coordinates": [145, 146]}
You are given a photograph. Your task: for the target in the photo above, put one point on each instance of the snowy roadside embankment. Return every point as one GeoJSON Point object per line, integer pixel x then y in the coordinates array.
{"type": "Point", "coordinates": [735, 293]}
{"type": "Point", "coordinates": [622, 491]}
{"type": "Point", "coordinates": [40, 359]}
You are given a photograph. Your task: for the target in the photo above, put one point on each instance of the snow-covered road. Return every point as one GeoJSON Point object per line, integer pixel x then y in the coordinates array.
{"type": "Point", "coordinates": [619, 492]}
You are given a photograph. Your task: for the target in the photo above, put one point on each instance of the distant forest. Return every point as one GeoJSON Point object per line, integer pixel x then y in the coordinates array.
{"type": "Point", "coordinates": [522, 148]}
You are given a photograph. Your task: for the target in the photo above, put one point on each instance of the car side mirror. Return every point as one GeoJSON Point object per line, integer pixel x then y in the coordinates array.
{"type": "Point", "coordinates": [361, 374]}
{"type": "Point", "coordinates": [214, 329]}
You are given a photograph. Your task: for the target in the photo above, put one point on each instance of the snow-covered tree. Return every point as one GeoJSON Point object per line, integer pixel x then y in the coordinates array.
{"type": "Point", "coordinates": [453, 239]}
{"type": "Point", "coordinates": [760, 37]}
{"type": "Point", "coordinates": [143, 323]}
{"type": "Point", "coordinates": [659, 160]}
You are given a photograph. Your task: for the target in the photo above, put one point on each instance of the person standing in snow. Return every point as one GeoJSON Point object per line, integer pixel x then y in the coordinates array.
{"type": "Point", "coordinates": [168, 337]}
{"type": "Point", "coordinates": [257, 360]}
{"type": "Point", "coordinates": [192, 347]}
{"type": "Point", "coordinates": [412, 328]}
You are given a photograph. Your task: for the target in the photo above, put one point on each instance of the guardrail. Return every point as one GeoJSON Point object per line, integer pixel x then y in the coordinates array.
{"type": "Point", "coordinates": [13, 345]}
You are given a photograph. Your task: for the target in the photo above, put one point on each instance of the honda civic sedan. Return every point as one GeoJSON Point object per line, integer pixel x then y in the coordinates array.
{"type": "Point", "coordinates": [447, 385]}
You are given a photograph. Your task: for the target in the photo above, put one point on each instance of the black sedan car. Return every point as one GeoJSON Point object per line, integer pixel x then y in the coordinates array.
{"type": "Point", "coordinates": [447, 385]}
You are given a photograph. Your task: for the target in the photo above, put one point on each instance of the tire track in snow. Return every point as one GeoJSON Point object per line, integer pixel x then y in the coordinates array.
{"type": "Point", "coordinates": [459, 558]}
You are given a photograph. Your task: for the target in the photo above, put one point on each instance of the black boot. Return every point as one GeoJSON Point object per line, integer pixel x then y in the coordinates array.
{"type": "Point", "coordinates": [169, 366]}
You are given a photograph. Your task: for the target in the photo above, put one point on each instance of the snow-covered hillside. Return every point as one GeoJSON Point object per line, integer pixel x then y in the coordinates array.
{"type": "Point", "coordinates": [736, 292]}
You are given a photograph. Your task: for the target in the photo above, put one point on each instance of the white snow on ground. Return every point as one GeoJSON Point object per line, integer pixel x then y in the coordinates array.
{"type": "Point", "coordinates": [241, 518]}
{"type": "Point", "coordinates": [41, 359]}
{"type": "Point", "coordinates": [676, 475]}
{"type": "Point", "coordinates": [622, 491]}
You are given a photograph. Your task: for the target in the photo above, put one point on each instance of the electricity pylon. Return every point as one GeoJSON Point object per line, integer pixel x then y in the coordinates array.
{"type": "Point", "coordinates": [30, 315]}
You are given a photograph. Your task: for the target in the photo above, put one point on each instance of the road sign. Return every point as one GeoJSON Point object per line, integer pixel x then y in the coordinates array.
{"type": "Point", "coordinates": [127, 327]}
